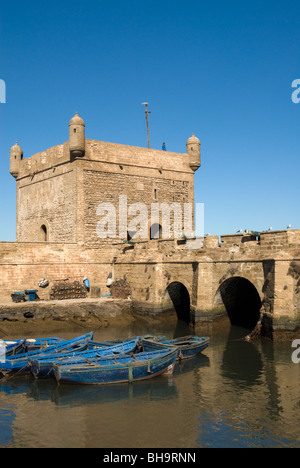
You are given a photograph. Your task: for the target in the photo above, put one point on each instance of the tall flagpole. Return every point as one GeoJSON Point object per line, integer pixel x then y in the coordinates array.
{"type": "Point", "coordinates": [147, 112]}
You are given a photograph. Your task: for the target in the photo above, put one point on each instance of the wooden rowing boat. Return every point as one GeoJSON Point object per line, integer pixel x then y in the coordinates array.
{"type": "Point", "coordinates": [24, 345]}
{"type": "Point", "coordinates": [118, 369]}
{"type": "Point", "coordinates": [116, 341]}
{"type": "Point", "coordinates": [20, 362]}
{"type": "Point", "coordinates": [189, 346]}
{"type": "Point", "coordinates": [10, 348]}
{"type": "Point", "coordinates": [43, 366]}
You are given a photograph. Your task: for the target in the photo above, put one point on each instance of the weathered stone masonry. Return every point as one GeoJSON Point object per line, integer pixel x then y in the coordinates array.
{"type": "Point", "coordinates": [271, 264]}
{"type": "Point", "coordinates": [58, 191]}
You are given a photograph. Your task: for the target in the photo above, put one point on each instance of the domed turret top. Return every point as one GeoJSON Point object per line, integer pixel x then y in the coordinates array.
{"type": "Point", "coordinates": [193, 139]}
{"type": "Point", "coordinates": [16, 148]}
{"type": "Point", "coordinates": [76, 120]}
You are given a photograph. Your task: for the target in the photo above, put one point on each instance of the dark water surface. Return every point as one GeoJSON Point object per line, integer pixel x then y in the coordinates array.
{"type": "Point", "coordinates": [236, 394]}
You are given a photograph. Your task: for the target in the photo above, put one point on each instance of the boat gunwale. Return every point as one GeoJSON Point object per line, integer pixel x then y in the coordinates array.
{"type": "Point", "coordinates": [115, 365]}
{"type": "Point", "coordinates": [150, 376]}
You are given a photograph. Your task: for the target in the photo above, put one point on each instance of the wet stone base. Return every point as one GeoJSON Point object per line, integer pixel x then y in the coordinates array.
{"type": "Point", "coordinates": [92, 314]}
{"type": "Point", "coordinates": [285, 329]}
{"type": "Point", "coordinates": [46, 316]}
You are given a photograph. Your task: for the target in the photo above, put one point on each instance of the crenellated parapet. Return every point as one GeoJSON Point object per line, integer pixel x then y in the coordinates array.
{"type": "Point", "coordinates": [44, 160]}
{"type": "Point", "coordinates": [78, 148]}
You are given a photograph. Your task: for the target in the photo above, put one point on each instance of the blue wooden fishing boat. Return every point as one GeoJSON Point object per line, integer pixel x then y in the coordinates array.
{"type": "Point", "coordinates": [25, 345]}
{"type": "Point", "coordinates": [43, 366]}
{"type": "Point", "coordinates": [118, 369]}
{"type": "Point", "coordinates": [20, 362]}
{"type": "Point", "coordinates": [116, 341]}
{"type": "Point", "coordinates": [10, 348]}
{"type": "Point", "coordinates": [189, 346]}
{"type": "Point", "coordinates": [38, 343]}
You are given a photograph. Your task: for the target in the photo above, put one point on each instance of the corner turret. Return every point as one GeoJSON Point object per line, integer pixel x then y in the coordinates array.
{"type": "Point", "coordinates": [77, 136]}
{"type": "Point", "coordinates": [16, 156]}
{"type": "Point", "coordinates": [193, 151]}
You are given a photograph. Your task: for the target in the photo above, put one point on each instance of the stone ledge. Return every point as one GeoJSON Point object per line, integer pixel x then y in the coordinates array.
{"type": "Point", "coordinates": [87, 312]}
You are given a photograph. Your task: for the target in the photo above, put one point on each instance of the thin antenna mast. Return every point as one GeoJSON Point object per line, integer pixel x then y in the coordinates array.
{"type": "Point", "coordinates": [147, 112]}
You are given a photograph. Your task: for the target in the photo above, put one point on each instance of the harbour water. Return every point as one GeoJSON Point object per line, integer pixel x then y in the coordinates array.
{"type": "Point", "coordinates": [235, 394]}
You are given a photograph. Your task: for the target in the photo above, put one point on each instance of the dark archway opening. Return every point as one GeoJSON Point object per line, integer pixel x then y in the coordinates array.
{"type": "Point", "coordinates": [44, 233]}
{"type": "Point", "coordinates": [242, 302]}
{"type": "Point", "coordinates": [181, 300]}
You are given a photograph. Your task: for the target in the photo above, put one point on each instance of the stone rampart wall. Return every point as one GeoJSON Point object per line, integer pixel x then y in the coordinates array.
{"type": "Point", "coordinates": [271, 264]}
{"type": "Point", "coordinates": [23, 265]}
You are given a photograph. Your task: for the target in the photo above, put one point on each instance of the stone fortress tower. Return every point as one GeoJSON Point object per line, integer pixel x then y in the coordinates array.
{"type": "Point", "coordinates": [59, 192]}
{"type": "Point", "coordinates": [59, 189]}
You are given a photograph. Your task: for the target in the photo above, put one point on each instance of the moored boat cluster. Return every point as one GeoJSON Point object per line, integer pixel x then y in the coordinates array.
{"type": "Point", "coordinates": [82, 360]}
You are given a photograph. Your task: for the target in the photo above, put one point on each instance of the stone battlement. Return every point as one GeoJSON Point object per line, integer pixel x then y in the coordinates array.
{"type": "Point", "coordinates": [107, 153]}
{"type": "Point", "coordinates": [263, 245]}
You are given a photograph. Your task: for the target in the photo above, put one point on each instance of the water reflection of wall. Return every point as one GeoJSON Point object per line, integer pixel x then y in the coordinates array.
{"type": "Point", "coordinates": [253, 399]}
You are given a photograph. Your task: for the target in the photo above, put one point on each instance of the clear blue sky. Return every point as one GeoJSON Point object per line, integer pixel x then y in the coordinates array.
{"type": "Point", "coordinates": [222, 70]}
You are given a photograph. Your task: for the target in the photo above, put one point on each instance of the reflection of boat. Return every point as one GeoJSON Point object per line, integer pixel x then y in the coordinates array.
{"type": "Point", "coordinates": [43, 366]}
{"type": "Point", "coordinates": [189, 346]}
{"type": "Point", "coordinates": [189, 365]}
{"type": "Point", "coordinates": [17, 386]}
{"type": "Point", "coordinates": [117, 369]}
{"type": "Point", "coordinates": [160, 387]}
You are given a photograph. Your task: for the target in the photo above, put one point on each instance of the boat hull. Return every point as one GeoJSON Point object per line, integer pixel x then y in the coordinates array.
{"type": "Point", "coordinates": [20, 362]}
{"type": "Point", "coordinates": [122, 370]}
{"type": "Point", "coordinates": [188, 348]}
{"type": "Point", "coordinates": [43, 367]}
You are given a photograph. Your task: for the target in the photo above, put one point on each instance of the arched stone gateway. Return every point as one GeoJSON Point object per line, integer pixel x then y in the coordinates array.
{"type": "Point", "coordinates": [241, 301]}
{"type": "Point", "coordinates": [180, 298]}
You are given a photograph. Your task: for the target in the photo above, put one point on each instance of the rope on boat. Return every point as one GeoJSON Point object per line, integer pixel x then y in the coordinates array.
{"type": "Point", "coordinates": [257, 329]}
{"type": "Point", "coordinates": [14, 374]}
{"type": "Point", "coordinates": [49, 372]}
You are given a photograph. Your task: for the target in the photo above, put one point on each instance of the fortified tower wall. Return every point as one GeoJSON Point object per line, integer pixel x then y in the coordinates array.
{"type": "Point", "coordinates": [59, 190]}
